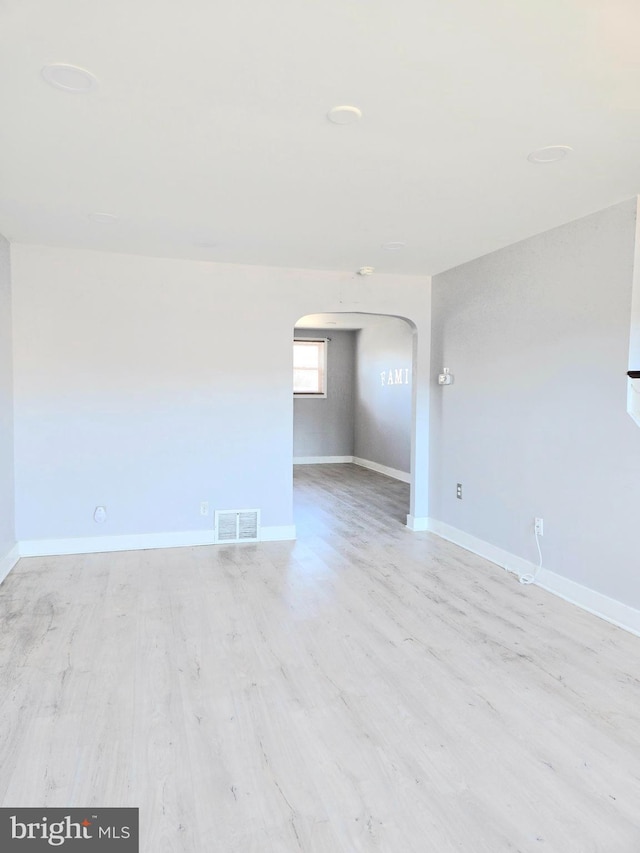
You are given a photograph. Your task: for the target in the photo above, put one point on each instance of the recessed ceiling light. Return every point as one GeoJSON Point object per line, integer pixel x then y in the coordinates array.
{"type": "Point", "coordinates": [550, 154]}
{"type": "Point", "coordinates": [103, 218]}
{"type": "Point", "coordinates": [69, 78]}
{"type": "Point", "coordinates": [394, 246]}
{"type": "Point", "coordinates": [366, 271]}
{"type": "Point", "coordinates": [344, 115]}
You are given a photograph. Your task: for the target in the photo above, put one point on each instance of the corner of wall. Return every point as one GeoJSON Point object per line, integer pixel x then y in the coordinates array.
{"type": "Point", "coordinates": [9, 561]}
{"type": "Point", "coordinates": [633, 384]}
{"type": "Point", "coordinates": [7, 475]}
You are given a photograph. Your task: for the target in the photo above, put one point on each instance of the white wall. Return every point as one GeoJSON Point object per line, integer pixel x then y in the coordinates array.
{"type": "Point", "coordinates": [383, 405]}
{"type": "Point", "coordinates": [7, 532]}
{"type": "Point", "coordinates": [537, 337]}
{"type": "Point", "coordinates": [634, 325]}
{"type": "Point", "coordinates": [324, 426]}
{"type": "Point", "coordinates": [148, 385]}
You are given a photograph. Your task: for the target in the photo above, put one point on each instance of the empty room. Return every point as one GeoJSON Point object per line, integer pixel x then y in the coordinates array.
{"type": "Point", "coordinates": [320, 426]}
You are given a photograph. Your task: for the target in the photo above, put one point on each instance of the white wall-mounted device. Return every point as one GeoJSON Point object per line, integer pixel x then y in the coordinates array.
{"type": "Point", "coordinates": [445, 378]}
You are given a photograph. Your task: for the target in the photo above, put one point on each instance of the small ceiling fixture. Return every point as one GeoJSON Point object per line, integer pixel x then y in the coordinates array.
{"type": "Point", "coordinates": [394, 246]}
{"type": "Point", "coordinates": [549, 154]}
{"type": "Point", "coordinates": [103, 218]}
{"type": "Point", "coordinates": [366, 271]}
{"type": "Point", "coordinates": [344, 115]}
{"type": "Point", "coordinates": [69, 78]}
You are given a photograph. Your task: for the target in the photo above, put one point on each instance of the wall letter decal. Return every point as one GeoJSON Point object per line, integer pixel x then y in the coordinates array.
{"type": "Point", "coordinates": [395, 376]}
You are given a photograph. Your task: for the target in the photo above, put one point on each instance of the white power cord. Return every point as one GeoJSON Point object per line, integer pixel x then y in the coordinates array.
{"type": "Point", "coordinates": [530, 578]}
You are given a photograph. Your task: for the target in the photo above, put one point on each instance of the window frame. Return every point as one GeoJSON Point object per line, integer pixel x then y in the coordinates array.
{"type": "Point", "coordinates": [314, 395]}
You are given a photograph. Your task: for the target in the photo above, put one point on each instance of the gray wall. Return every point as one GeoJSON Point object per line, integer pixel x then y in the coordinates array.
{"type": "Point", "coordinates": [148, 385]}
{"type": "Point", "coordinates": [535, 424]}
{"type": "Point", "coordinates": [383, 411]}
{"type": "Point", "coordinates": [324, 427]}
{"type": "Point", "coordinates": [7, 537]}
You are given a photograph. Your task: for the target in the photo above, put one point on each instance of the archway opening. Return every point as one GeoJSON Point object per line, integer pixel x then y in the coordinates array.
{"type": "Point", "coordinates": [365, 413]}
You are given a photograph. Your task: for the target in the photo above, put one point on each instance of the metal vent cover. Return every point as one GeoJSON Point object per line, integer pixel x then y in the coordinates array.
{"type": "Point", "coordinates": [237, 525]}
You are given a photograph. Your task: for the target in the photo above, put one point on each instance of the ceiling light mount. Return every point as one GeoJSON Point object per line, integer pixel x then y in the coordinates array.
{"type": "Point", "coordinates": [344, 114]}
{"type": "Point", "coordinates": [69, 78]}
{"type": "Point", "coordinates": [366, 271]}
{"type": "Point", "coordinates": [550, 154]}
{"type": "Point", "coordinates": [103, 218]}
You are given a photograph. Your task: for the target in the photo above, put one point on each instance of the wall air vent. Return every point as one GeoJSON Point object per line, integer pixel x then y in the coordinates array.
{"type": "Point", "coordinates": [237, 525]}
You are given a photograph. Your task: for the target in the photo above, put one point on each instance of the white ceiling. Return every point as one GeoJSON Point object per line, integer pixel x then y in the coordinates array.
{"type": "Point", "coordinates": [207, 134]}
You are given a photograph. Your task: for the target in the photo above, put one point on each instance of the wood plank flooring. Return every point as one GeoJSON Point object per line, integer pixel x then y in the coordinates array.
{"type": "Point", "coordinates": [365, 688]}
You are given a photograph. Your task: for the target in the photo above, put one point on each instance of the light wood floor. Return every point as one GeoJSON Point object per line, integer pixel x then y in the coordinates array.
{"type": "Point", "coordinates": [362, 689]}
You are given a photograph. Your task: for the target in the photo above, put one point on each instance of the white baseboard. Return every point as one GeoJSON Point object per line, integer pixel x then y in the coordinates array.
{"type": "Point", "coordinates": [484, 549]}
{"type": "Point", "coordinates": [383, 469]}
{"type": "Point", "coordinates": [320, 460]}
{"type": "Point", "coordinates": [137, 542]}
{"type": "Point", "coordinates": [356, 460]}
{"type": "Point", "coordinates": [582, 596]}
{"type": "Point", "coordinates": [418, 523]}
{"type": "Point", "coordinates": [8, 561]}
{"type": "Point", "coordinates": [589, 599]}
{"type": "Point", "coordinates": [278, 534]}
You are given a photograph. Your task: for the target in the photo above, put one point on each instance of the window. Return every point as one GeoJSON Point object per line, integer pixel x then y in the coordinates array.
{"type": "Point", "coordinates": [310, 368]}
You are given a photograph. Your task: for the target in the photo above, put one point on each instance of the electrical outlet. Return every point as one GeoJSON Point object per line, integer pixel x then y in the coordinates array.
{"type": "Point", "coordinates": [459, 491]}
{"type": "Point", "coordinates": [538, 526]}
{"type": "Point", "coordinates": [100, 515]}
{"type": "Point", "coordinates": [204, 508]}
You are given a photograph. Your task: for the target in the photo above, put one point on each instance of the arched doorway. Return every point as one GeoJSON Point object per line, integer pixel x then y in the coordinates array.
{"type": "Point", "coordinates": [367, 411]}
